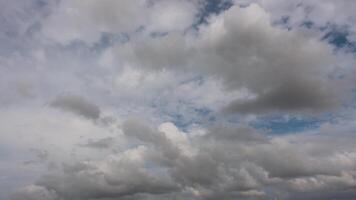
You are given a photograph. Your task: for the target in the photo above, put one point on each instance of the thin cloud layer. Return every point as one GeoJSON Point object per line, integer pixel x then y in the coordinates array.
{"type": "Point", "coordinates": [78, 20]}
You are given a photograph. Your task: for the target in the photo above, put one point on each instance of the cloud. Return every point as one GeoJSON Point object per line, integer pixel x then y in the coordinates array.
{"type": "Point", "coordinates": [123, 176]}
{"type": "Point", "coordinates": [103, 143]}
{"type": "Point", "coordinates": [228, 161]}
{"type": "Point", "coordinates": [318, 14]}
{"type": "Point", "coordinates": [77, 105]}
{"type": "Point", "coordinates": [242, 133]}
{"type": "Point", "coordinates": [285, 70]}
{"type": "Point", "coordinates": [144, 133]}
{"type": "Point", "coordinates": [295, 96]}
{"type": "Point", "coordinates": [86, 21]}
{"type": "Point", "coordinates": [35, 192]}
{"type": "Point", "coordinates": [175, 64]}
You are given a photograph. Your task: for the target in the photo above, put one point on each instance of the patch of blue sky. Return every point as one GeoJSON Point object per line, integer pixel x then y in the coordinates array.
{"type": "Point", "coordinates": [283, 22]}
{"type": "Point", "coordinates": [335, 35]}
{"type": "Point", "coordinates": [184, 114]}
{"type": "Point", "coordinates": [212, 7]}
{"type": "Point", "coordinates": [181, 122]}
{"type": "Point", "coordinates": [307, 24]}
{"type": "Point", "coordinates": [109, 39]}
{"type": "Point", "coordinates": [196, 115]}
{"type": "Point", "coordinates": [338, 37]}
{"type": "Point", "coordinates": [289, 124]}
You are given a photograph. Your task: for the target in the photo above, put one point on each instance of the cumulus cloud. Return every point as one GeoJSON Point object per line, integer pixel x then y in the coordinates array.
{"type": "Point", "coordinates": [35, 192]}
{"type": "Point", "coordinates": [285, 70]}
{"type": "Point", "coordinates": [181, 67]}
{"type": "Point", "coordinates": [227, 162]}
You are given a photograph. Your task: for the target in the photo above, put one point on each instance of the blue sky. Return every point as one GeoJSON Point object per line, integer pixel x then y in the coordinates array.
{"type": "Point", "coordinates": [177, 99]}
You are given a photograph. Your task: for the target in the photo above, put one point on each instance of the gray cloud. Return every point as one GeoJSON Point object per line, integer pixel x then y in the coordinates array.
{"type": "Point", "coordinates": [227, 162]}
{"type": "Point", "coordinates": [311, 11]}
{"type": "Point", "coordinates": [142, 58]}
{"type": "Point", "coordinates": [286, 70]}
{"type": "Point", "coordinates": [103, 143]}
{"type": "Point", "coordinates": [241, 133]}
{"type": "Point", "coordinates": [292, 96]}
{"type": "Point", "coordinates": [35, 192]}
{"type": "Point", "coordinates": [77, 105]}
{"type": "Point", "coordinates": [87, 21]}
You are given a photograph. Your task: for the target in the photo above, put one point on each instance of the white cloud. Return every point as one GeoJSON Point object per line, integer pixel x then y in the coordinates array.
{"type": "Point", "coordinates": [167, 16]}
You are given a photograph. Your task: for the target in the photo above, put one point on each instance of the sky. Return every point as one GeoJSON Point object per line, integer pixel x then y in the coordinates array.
{"type": "Point", "coordinates": [177, 99]}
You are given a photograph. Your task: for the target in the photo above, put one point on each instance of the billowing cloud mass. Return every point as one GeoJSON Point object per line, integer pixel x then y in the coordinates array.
{"type": "Point", "coordinates": [224, 162]}
{"type": "Point", "coordinates": [242, 48]}
{"type": "Point", "coordinates": [177, 99]}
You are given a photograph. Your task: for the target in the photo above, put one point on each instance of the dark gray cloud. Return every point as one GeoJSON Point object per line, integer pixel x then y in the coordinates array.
{"type": "Point", "coordinates": [289, 96]}
{"type": "Point", "coordinates": [77, 105]}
